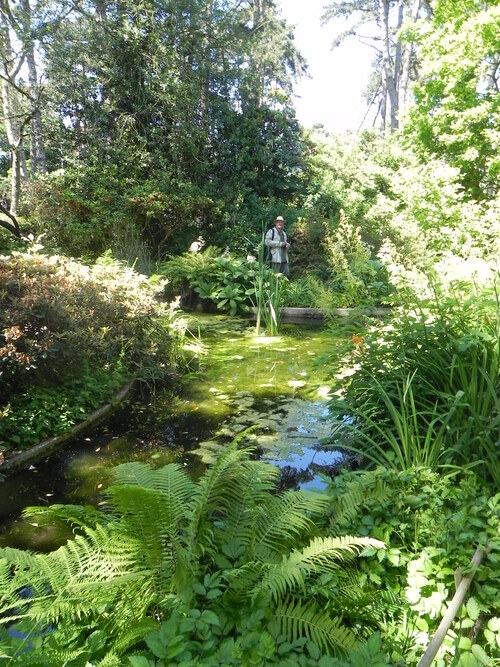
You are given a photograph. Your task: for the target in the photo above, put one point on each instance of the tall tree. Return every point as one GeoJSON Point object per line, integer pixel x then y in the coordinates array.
{"type": "Point", "coordinates": [21, 99]}
{"type": "Point", "coordinates": [14, 119]}
{"type": "Point", "coordinates": [38, 161]}
{"type": "Point", "coordinates": [191, 92]}
{"type": "Point", "coordinates": [384, 21]}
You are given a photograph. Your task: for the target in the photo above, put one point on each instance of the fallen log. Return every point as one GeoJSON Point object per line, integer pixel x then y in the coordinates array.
{"type": "Point", "coordinates": [19, 461]}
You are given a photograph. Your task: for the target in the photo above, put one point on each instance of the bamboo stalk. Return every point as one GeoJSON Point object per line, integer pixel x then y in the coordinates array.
{"type": "Point", "coordinates": [453, 608]}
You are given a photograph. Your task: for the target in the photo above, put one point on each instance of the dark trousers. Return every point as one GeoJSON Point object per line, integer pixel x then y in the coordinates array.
{"type": "Point", "coordinates": [281, 267]}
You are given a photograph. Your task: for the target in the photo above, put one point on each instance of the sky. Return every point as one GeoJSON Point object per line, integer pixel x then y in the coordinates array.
{"type": "Point", "coordinates": [332, 96]}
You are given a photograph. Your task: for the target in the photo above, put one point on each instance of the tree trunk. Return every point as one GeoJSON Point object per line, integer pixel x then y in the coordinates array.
{"type": "Point", "coordinates": [399, 46]}
{"type": "Point", "coordinates": [406, 62]}
{"type": "Point", "coordinates": [390, 90]}
{"type": "Point", "coordinates": [10, 106]}
{"type": "Point", "coordinates": [12, 226]}
{"type": "Point", "coordinates": [383, 101]}
{"type": "Point", "coordinates": [38, 162]}
{"type": "Point", "coordinates": [493, 75]}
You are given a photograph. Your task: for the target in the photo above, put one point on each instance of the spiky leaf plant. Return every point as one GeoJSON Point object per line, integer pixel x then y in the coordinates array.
{"type": "Point", "coordinates": [221, 562]}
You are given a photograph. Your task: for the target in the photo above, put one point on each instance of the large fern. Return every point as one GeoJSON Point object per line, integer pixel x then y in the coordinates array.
{"type": "Point", "coordinates": [227, 543]}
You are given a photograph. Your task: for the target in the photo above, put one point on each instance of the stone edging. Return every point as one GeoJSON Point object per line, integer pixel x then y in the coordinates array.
{"type": "Point", "coordinates": [46, 447]}
{"type": "Point", "coordinates": [298, 315]}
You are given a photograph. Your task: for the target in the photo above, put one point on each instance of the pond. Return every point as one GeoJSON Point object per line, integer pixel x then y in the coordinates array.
{"type": "Point", "coordinates": [270, 392]}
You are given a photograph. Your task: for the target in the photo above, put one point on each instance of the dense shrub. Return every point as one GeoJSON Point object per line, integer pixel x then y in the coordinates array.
{"type": "Point", "coordinates": [170, 215]}
{"type": "Point", "coordinates": [225, 280]}
{"type": "Point", "coordinates": [431, 525]}
{"type": "Point", "coordinates": [84, 212]}
{"type": "Point", "coordinates": [61, 321]}
{"type": "Point", "coordinates": [76, 211]}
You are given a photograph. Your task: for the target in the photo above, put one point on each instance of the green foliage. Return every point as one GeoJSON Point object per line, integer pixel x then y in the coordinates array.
{"type": "Point", "coordinates": [46, 410]}
{"type": "Point", "coordinates": [342, 273]}
{"type": "Point", "coordinates": [214, 572]}
{"type": "Point", "coordinates": [356, 176]}
{"type": "Point", "coordinates": [355, 277]}
{"type": "Point", "coordinates": [431, 524]}
{"type": "Point", "coordinates": [455, 116]}
{"type": "Point", "coordinates": [69, 335]}
{"type": "Point", "coordinates": [173, 120]}
{"type": "Point", "coordinates": [89, 209]}
{"type": "Point", "coordinates": [268, 293]}
{"type": "Point", "coordinates": [308, 246]}
{"type": "Point", "coordinates": [225, 280]}
{"type": "Point", "coordinates": [76, 209]}
{"type": "Point", "coordinates": [436, 215]}
{"type": "Point", "coordinates": [169, 214]}
{"type": "Point", "coordinates": [300, 292]}
{"type": "Point", "coordinates": [414, 437]}
{"type": "Point", "coordinates": [428, 384]}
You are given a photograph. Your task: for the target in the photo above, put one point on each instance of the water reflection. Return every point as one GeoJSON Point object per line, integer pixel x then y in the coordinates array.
{"type": "Point", "coordinates": [277, 386]}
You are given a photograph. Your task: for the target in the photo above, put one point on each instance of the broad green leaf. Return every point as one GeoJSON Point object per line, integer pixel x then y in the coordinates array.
{"type": "Point", "coordinates": [473, 610]}
{"type": "Point", "coordinates": [156, 646]}
{"type": "Point", "coordinates": [464, 643]}
{"type": "Point", "coordinates": [140, 661]}
{"type": "Point", "coordinates": [467, 660]}
{"type": "Point", "coordinates": [199, 588]}
{"type": "Point", "coordinates": [494, 624]}
{"type": "Point", "coordinates": [480, 654]}
{"type": "Point", "coordinates": [210, 617]}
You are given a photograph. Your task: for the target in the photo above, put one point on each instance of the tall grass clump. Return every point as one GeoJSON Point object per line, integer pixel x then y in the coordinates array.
{"type": "Point", "coordinates": [427, 385]}
{"type": "Point", "coordinates": [268, 294]}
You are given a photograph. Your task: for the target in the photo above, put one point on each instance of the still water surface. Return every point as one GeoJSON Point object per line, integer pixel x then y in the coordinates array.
{"type": "Point", "coordinates": [276, 387]}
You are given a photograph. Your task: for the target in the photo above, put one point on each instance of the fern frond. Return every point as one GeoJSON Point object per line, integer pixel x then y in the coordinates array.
{"type": "Point", "coordinates": [216, 491]}
{"type": "Point", "coordinates": [359, 490]}
{"type": "Point", "coordinates": [12, 599]}
{"type": "Point", "coordinates": [154, 519]}
{"type": "Point", "coordinates": [236, 530]}
{"type": "Point", "coordinates": [154, 505]}
{"type": "Point", "coordinates": [321, 550]}
{"type": "Point", "coordinates": [171, 479]}
{"type": "Point", "coordinates": [75, 515]}
{"type": "Point", "coordinates": [132, 634]}
{"type": "Point", "coordinates": [347, 506]}
{"type": "Point", "coordinates": [285, 520]}
{"type": "Point", "coordinates": [244, 580]}
{"type": "Point", "coordinates": [6, 651]}
{"type": "Point", "coordinates": [304, 620]}
{"type": "Point", "coordinates": [262, 478]}
{"type": "Point", "coordinates": [17, 557]}
{"type": "Point", "coordinates": [110, 660]}
{"type": "Point", "coordinates": [78, 578]}
{"type": "Point", "coordinates": [321, 555]}
{"type": "Point", "coordinates": [386, 603]}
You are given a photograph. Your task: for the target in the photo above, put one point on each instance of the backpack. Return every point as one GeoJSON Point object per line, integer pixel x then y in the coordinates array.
{"type": "Point", "coordinates": [267, 250]}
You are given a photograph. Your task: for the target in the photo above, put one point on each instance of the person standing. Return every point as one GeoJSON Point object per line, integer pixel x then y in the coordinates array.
{"type": "Point", "coordinates": [276, 240]}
